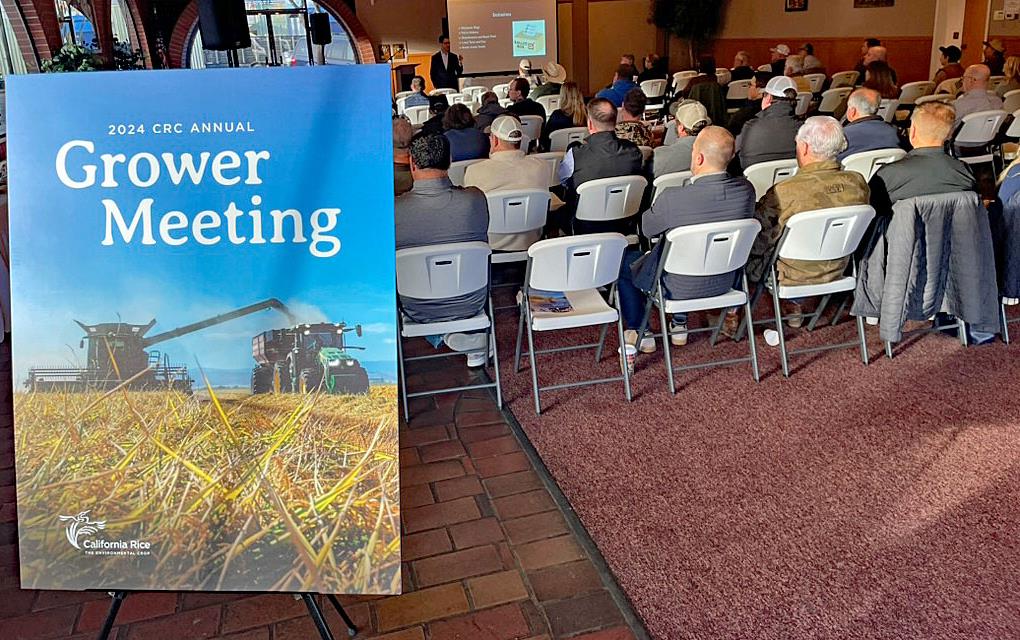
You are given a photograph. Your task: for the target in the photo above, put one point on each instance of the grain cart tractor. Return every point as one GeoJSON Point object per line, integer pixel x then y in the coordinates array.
{"type": "Point", "coordinates": [307, 358]}
{"type": "Point", "coordinates": [119, 354]}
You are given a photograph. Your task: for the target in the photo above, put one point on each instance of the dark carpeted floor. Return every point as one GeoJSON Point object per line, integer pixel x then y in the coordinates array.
{"type": "Point", "coordinates": [845, 502]}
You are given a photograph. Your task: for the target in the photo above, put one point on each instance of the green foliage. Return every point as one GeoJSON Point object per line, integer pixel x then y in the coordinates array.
{"type": "Point", "coordinates": [124, 57]}
{"type": "Point", "coordinates": [75, 57]}
{"type": "Point", "coordinates": [696, 20]}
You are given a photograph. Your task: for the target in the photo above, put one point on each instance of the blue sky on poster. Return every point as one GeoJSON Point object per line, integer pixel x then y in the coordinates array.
{"type": "Point", "coordinates": [325, 129]}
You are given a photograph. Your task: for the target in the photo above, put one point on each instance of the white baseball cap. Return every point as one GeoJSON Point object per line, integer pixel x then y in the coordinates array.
{"type": "Point", "coordinates": [779, 85]}
{"type": "Point", "coordinates": [507, 128]}
{"type": "Point", "coordinates": [524, 64]}
{"type": "Point", "coordinates": [781, 49]}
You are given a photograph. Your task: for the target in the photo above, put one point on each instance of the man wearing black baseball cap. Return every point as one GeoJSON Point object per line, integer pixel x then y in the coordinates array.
{"type": "Point", "coordinates": [951, 67]}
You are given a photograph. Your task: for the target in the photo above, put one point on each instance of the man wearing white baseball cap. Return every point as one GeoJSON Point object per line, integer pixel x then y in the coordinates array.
{"type": "Point", "coordinates": [553, 76]}
{"type": "Point", "coordinates": [691, 117]}
{"type": "Point", "coordinates": [771, 134]}
{"type": "Point", "coordinates": [509, 169]}
{"type": "Point", "coordinates": [779, 53]}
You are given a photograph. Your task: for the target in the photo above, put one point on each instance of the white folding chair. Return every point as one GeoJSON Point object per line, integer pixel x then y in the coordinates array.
{"type": "Point", "coordinates": [1011, 101]}
{"type": "Point", "coordinates": [459, 98]}
{"type": "Point", "coordinates": [708, 249]}
{"type": "Point", "coordinates": [910, 92]}
{"type": "Point", "coordinates": [723, 76]}
{"type": "Point", "coordinates": [532, 127]}
{"type": "Point", "coordinates": [401, 105]}
{"type": "Point", "coordinates": [824, 234]}
{"type": "Point", "coordinates": [803, 102]}
{"type": "Point", "coordinates": [979, 130]}
{"type": "Point", "coordinates": [764, 67]}
{"type": "Point", "coordinates": [608, 199]}
{"type": "Point", "coordinates": [995, 81]}
{"type": "Point", "coordinates": [442, 92]}
{"type": "Point", "coordinates": [681, 79]}
{"type": "Point", "coordinates": [514, 211]}
{"type": "Point", "coordinates": [737, 90]}
{"type": "Point", "coordinates": [441, 272]}
{"type": "Point", "coordinates": [549, 103]}
{"type": "Point", "coordinates": [553, 159]}
{"type": "Point", "coordinates": [417, 115]}
{"type": "Point", "coordinates": [457, 170]}
{"type": "Point", "coordinates": [887, 110]}
{"type": "Point", "coordinates": [505, 102]}
{"type": "Point", "coordinates": [501, 90]}
{"type": "Point", "coordinates": [817, 81]}
{"type": "Point", "coordinates": [671, 134]}
{"type": "Point", "coordinates": [665, 181]}
{"type": "Point", "coordinates": [475, 92]}
{"type": "Point", "coordinates": [867, 163]}
{"type": "Point", "coordinates": [766, 174]}
{"type": "Point", "coordinates": [843, 79]}
{"type": "Point", "coordinates": [936, 97]}
{"type": "Point", "coordinates": [560, 139]}
{"type": "Point", "coordinates": [577, 266]}
{"type": "Point", "coordinates": [655, 91]}
{"type": "Point", "coordinates": [402, 94]}
{"type": "Point", "coordinates": [832, 98]}
{"type": "Point", "coordinates": [950, 86]}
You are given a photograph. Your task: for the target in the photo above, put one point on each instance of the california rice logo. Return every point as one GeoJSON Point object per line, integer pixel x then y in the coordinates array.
{"type": "Point", "coordinates": [81, 531]}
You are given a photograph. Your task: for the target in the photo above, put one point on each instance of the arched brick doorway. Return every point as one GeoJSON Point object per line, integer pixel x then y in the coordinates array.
{"type": "Point", "coordinates": [184, 30]}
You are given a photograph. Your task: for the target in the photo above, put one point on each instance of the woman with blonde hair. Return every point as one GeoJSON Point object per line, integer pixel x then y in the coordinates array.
{"type": "Point", "coordinates": [1012, 72]}
{"type": "Point", "coordinates": [571, 112]}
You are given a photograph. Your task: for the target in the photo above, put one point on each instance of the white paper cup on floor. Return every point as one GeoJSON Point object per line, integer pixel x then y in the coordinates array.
{"type": "Point", "coordinates": [771, 337]}
{"type": "Point", "coordinates": [631, 352]}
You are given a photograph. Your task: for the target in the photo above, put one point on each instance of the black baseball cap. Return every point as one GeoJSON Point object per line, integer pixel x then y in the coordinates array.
{"type": "Point", "coordinates": [952, 52]}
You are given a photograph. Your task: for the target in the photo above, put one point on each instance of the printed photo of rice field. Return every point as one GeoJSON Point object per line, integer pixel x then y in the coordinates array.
{"type": "Point", "coordinates": [211, 490]}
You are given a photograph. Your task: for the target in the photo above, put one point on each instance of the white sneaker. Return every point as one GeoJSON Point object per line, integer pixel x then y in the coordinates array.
{"type": "Point", "coordinates": [871, 321]}
{"type": "Point", "coordinates": [476, 359]}
{"type": "Point", "coordinates": [647, 344]}
{"type": "Point", "coordinates": [465, 341]}
{"type": "Point", "coordinates": [678, 334]}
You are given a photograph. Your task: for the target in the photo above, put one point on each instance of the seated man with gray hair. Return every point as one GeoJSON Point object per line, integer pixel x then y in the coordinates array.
{"type": "Point", "coordinates": [820, 183]}
{"type": "Point", "coordinates": [866, 130]}
{"type": "Point", "coordinates": [418, 98]}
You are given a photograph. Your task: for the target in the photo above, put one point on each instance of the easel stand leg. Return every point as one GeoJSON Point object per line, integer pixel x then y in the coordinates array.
{"type": "Point", "coordinates": [111, 615]}
{"type": "Point", "coordinates": [316, 613]}
{"type": "Point", "coordinates": [351, 629]}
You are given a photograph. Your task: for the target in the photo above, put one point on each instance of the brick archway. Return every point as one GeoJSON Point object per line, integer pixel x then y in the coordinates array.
{"type": "Point", "coordinates": [36, 29]}
{"type": "Point", "coordinates": [180, 39]}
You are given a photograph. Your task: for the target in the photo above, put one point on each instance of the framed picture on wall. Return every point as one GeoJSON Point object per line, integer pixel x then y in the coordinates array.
{"type": "Point", "coordinates": [867, 4]}
{"type": "Point", "coordinates": [399, 51]}
{"type": "Point", "coordinates": [796, 5]}
{"type": "Point", "coordinates": [384, 53]}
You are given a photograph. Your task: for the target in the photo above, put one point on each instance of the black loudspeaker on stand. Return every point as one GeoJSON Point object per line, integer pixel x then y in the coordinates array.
{"type": "Point", "coordinates": [314, 611]}
{"type": "Point", "coordinates": [319, 25]}
{"type": "Point", "coordinates": [223, 24]}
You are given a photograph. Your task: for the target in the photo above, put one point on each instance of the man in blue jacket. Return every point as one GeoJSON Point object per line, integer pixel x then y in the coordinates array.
{"type": "Point", "coordinates": [865, 129]}
{"type": "Point", "coordinates": [623, 81]}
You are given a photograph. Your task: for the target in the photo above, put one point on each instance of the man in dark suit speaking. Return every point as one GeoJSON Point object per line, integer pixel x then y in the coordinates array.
{"type": "Point", "coordinates": [446, 67]}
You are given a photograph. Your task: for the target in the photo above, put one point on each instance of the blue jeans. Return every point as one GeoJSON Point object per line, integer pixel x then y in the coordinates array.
{"type": "Point", "coordinates": [632, 299]}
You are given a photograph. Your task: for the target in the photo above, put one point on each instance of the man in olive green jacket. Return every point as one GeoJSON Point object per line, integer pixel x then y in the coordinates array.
{"type": "Point", "coordinates": [820, 183]}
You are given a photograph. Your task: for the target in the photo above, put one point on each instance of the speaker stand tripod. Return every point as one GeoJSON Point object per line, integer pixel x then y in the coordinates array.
{"type": "Point", "coordinates": [314, 611]}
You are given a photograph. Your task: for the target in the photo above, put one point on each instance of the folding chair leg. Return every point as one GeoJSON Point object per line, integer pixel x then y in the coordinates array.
{"type": "Point", "coordinates": [1005, 323]}
{"type": "Point", "coordinates": [961, 330]}
{"type": "Point", "coordinates": [495, 353]}
{"type": "Point", "coordinates": [665, 346]}
{"type": "Point", "coordinates": [520, 336]}
{"type": "Point", "coordinates": [888, 350]}
{"type": "Point", "coordinates": [602, 342]}
{"type": "Point", "coordinates": [534, 369]}
{"type": "Point", "coordinates": [779, 328]}
{"type": "Point", "coordinates": [863, 338]}
{"type": "Point", "coordinates": [623, 354]}
{"type": "Point", "coordinates": [839, 312]}
{"type": "Point", "coordinates": [719, 325]}
{"type": "Point", "coordinates": [400, 371]}
{"type": "Point", "coordinates": [818, 312]}
{"type": "Point", "coordinates": [750, 335]}
{"type": "Point", "coordinates": [754, 300]}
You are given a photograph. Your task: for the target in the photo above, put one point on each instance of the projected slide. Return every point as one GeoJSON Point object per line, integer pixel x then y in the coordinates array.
{"type": "Point", "coordinates": [494, 36]}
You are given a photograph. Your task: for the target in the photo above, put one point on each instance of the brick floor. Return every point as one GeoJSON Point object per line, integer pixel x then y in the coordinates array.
{"type": "Point", "coordinates": [487, 553]}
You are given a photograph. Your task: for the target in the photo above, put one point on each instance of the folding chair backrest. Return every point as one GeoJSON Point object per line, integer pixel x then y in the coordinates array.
{"type": "Point", "coordinates": [681, 79]}
{"type": "Point", "coordinates": [474, 92]}
{"type": "Point", "coordinates": [980, 128]}
{"type": "Point", "coordinates": [401, 105]}
{"type": "Point", "coordinates": [765, 67]}
{"type": "Point", "coordinates": [671, 134]}
{"type": "Point", "coordinates": [843, 79]}
{"type": "Point", "coordinates": [803, 102]}
{"type": "Point", "coordinates": [995, 81]}
{"type": "Point", "coordinates": [1011, 101]}
{"type": "Point", "coordinates": [887, 109]}
{"type": "Point", "coordinates": [552, 160]}
{"type": "Point", "coordinates": [1014, 127]}
{"type": "Point", "coordinates": [442, 271]}
{"type": "Point", "coordinates": [417, 115]}
{"type": "Point", "coordinates": [610, 198]}
{"type": "Point", "coordinates": [532, 126]}
{"type": "Point", "coordinates": [738, 89]}
{"type": "Point", "coordinates": [402, 94]}
{"type": "Point", "coordinates": [935, 97]}
{"type": "Point", "coordinates": [665, 181]}
{"type": "Point", "coordinates": [653, 89]}
{"type": "Point", "coordinates": [517, 211]}
{"type": "Point", "coordinates": [910, 92]}
{"type": "Point", "coordinates": [765, 174]}
{"type": "Point", "coordinates": [442, 92]}
{"type": "Point", "coordinates": [817, 81]}
{"type": "Point", "coordinates": [832, 99]}
{"type": "Point", "coordinates": [950, 86]}
{"type": "Point", "coordinates": [867, 163]}
{"type": "Point", "coordinates": [549, 103]}
{"type": "Point", "coordinates": [561, 138]}
{"type": "Point", "coordinates": [710, 249]}
{"type": "Point", "coordinates": [459, 98]}
{"type": "Point", "coordinates": [576, 263]}
{"type": "Point", "coordinates": [457, 170]}
{"type": "Point", "coordinates": [501, 90]}
{"type": "Point", "coordinates": [723, 76]}
{"type": "Point", "coordinates": [826, 234]}
{"type": "Point", "coordinates": [505, 102]}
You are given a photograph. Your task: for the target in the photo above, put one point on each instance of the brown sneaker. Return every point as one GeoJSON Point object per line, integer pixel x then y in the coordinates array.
{"type": "Point", "coordinates": [793, 312]}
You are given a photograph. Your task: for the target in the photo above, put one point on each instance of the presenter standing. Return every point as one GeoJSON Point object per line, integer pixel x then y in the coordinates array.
{"type": "Point", "coordinates": [447, 67]}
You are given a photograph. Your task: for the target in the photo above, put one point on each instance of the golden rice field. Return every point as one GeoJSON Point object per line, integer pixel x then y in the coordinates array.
{"type": "Point", "coordinates": [257, 493]}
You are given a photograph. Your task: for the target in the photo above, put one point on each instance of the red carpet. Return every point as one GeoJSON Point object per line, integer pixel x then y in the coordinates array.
{"type": "Point", "coordinates": [845, 502]}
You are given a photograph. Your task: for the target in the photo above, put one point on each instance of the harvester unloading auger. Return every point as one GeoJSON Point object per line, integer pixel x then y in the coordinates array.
{"type": "Point", "coordinates": [118, 355]}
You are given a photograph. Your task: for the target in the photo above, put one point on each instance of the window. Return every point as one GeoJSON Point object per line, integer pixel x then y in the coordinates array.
{"type": "Point", "coordinates": [75, 28]}
{"type": "Point", "coordinates": [11, 59]}
{"type": "Point", "coordinates": [280, 37]}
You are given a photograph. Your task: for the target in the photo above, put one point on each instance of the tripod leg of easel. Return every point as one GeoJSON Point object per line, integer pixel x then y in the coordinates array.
{"type": "Point", "coordinates": [111, 615]}
{"type": "Point", "coordinates": [316, 613]}
{"type": "Point", "coordinates": [351, 629]}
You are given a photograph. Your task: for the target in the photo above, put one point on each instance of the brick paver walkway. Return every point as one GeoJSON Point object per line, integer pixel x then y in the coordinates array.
{"type": "Point", "coordinates": [488, 554]}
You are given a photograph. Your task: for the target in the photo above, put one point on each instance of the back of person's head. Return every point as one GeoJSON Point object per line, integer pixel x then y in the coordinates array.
{"type": "Point", "coordinates": [794, 65]}
{"type": "Point", "coordinates": [716, 146]}
{"type": "Point", "coordinates": [521, 85]}
{"type": "Point", "coordinates": [572, 103]}
{"type": "Point", "coordinates": [878, 76]}
{"type": "Point", "coordinates": [417, 83]}
{"type": "Point", "coordinates": [873, 42]}
{"type": "Point", "coordinates": [865, 102]}
{"type": "Point", "coordinates": [823, 136]}
{"type": "Point", "coordinates": [635, 102]}
{"type": "Point", "coordinates": [651, 60]}
{"type": "Point", "coordinates": [931, 124]}
{"type": "Point", "coordinates": [1012, 68]}
{"type": "Point", "coordinates": [877, 52]}
{"type": "Point", "coordinates": [742, 59]}
{"type": "Point", "coordinates": [602, 114]}
{"type": "Point", "coordinates": [706, 65]}
{"type": "Point", "coordinates": [625, 72]}
{"type": "Point", "coordinates": [979, 75]}
{"type": "Point", "coordinates": [761, 78]}
{"type": "Point", "coordinates": [628, 59]}
{"type": "Point", "coordinates": [402, 133]}
{"type": "Point", "coordinates": [489, 97]}
{"type": "Point", "coordinates": [808, 48]}
{"type": "Point", "coordinates": [458, 117]}
{"type": "Point", "coordinates": [430, 151]}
